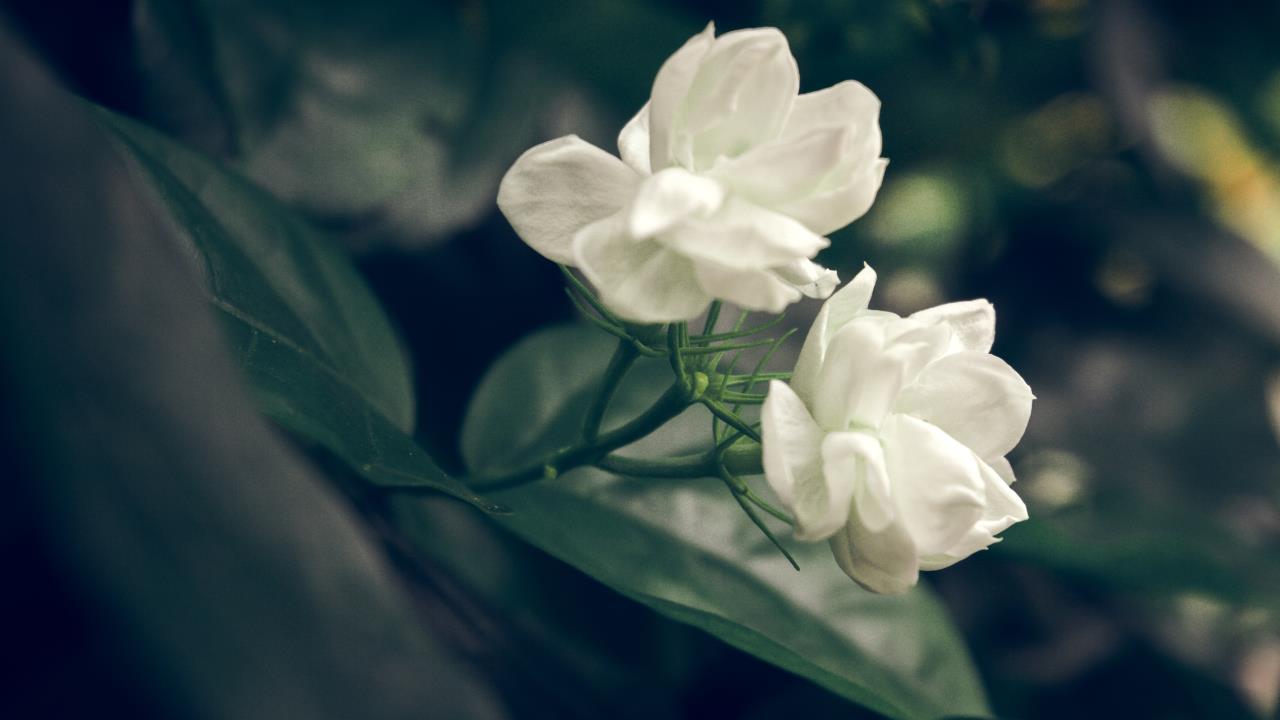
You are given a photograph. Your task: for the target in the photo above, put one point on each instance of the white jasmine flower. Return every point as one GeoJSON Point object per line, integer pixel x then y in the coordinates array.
{"type": "Point", "coordinates": [890, 439]}
{"type": "Point", "coordinates": [728, 181]}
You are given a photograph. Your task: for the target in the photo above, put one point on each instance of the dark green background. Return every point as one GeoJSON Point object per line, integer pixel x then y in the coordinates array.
{"type": "Point", "coordinates": [1107, 173]}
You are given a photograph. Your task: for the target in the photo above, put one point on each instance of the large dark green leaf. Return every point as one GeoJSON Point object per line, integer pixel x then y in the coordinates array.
{"type": "Point", "coordinates": [399, 117]}
{"type": "Point", "coordinates": [168, 554]}
{"type": "Point", "coordinates": [1148, 549]}
{"type": "Point", "coordinates": [316, 348]}
{"type": "Point", "coordinates": [685, 549]}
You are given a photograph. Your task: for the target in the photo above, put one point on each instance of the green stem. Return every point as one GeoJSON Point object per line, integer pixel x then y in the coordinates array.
{"type": "Point", "coordinates": [713, 314]}
{"type": "Point", "coordinates": [738, 331]}
{"type": "Point", "coordinates": [715, 359]}
{"type": "Point", "coordinates": [589, 296]}
{"type": "Point", "coordinates": [672, 403]}
{"type": "Point", "coordinates": [728, 417]}
{"type": "Point", "coordinates": [674, 348]}
{"type": "Point", "coordinates": [710, 349]}
{"type": "Point", "coordinates": [741, 459]}
{"type": "Point", "coordinates": [738, 379]}
{"type": "Point", "coordinates": [624, 356]}
{"type": "Point", "coordinates": [742, 503]}
{"type": "Point", "coordinates": [590, 317]}
{"type": "Point", "coordinates": [760, 502]}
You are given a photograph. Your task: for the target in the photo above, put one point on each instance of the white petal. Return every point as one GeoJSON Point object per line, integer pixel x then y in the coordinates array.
{"type": "Point", "coordinates": [859, 378]}
{"type": "Point", "coordinates": [936, 482]}
{"type": "Point", "coordinates": [670, 88]}
{"type": "Point", "coordinates": [858, 458]}
{"type": "Point", "coordinates": [975, 398]}
{"type": "Point", "coordinates": [790, 440]}
{"type": "Point", "coordinates": [972, 321]}
{"type": "Point", "coordinates": [825, 167]}
{"type": "Point", "coordinates": [639, 280]}
{"type": "Point", "coordinates": [743, 236]}
{"type": "Point", "coordinates": [633, 142]}
{"type": "Point", "coordinates": [759, 290]}
{"type": "Point", "coordinates": [821, 501]}
{"type": "Point", "coordinates": [779, 172]}
{"type": "Point", "coordinates": [741, 97]}
{"type": "Point", "coordinates": [885, 562]}
{"type": "Point", "coordinates": [1003, 508]}
{"type": "Point", "coordinates": [1003, 469]}
{"type": "Point", "coordinates": [846, 104]}
{"type": "Point", "coordinates": [916, 344]}
{"type": "Point", "coordinates": [793, 465]}
{"type": "Point", "coordinates": [830, 209]}
{"type": "Point", "coordinates": [867, 363]}
{"type": "Point", "coordinates": [849, 189]}
{"type": "Point", "coordinates": [559, 187]}
{"type": "Point", "coordinates": [670, 196]}
{"type": "Point", "coordinates": [836, 312]}
{"type": "Point", "coordinates": [810, 278]}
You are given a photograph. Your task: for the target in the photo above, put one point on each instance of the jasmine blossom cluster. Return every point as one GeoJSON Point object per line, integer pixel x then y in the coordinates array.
{"type": "Point", "coordinates": [888, 439]}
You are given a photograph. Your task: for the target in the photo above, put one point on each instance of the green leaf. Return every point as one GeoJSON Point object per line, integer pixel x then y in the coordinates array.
{"type": "Point", "coordinates": [162, 539]}
{"type": "Point", "coordinates": [398, 117]}
{"type": "Point", "coordinates": [685, 549]}
{"type": "Point", "coordinates": [320, 356]}
{"type": "Point", "coordinates": [1148, 548]}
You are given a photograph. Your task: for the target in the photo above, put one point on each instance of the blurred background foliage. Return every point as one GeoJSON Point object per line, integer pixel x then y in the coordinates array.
{"type": "Point", "coordinates": [1108, 173]}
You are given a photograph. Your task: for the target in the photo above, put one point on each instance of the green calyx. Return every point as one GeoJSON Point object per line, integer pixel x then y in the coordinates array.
{"type": "Point", "coordinates": [698, 383]}
{"type": "Point", "coordinates": [704, 369]}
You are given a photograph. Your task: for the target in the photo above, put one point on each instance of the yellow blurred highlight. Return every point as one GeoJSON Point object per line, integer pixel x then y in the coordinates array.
{"type": "Point", "coordinates": [1203, 138]}
{"type": "Point", "coordinates": [1259, 677]}
{"type": "Point", "coordinates": [1060, 18]}
{"type": "Point", "coordinates": [1273, 402]}
{"type": "Point", "coordinates": [918, 208]}
{"type": "Point", "coordinates": [1053, 479]}
{"type": "Point", "coordinates": [1043, 147]}
{"type": "Point", "coordinates": [911, 289]}
{"type": "Point", "coordinates": [1125, 277]}
{"type": "Point", "coordinates": [1200, 619]}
